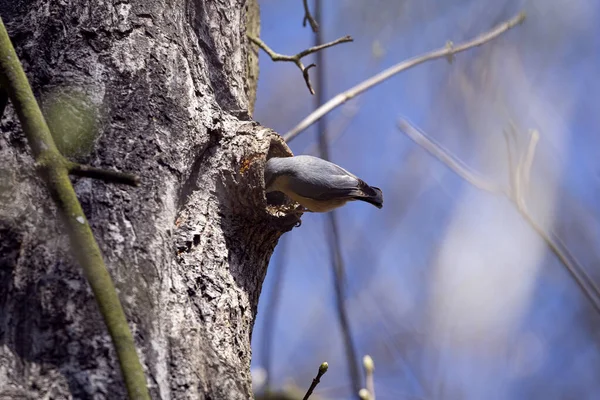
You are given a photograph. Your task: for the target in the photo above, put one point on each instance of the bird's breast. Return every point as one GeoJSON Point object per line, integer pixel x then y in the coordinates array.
{"type": "Point", "coordinates": [317, 205]}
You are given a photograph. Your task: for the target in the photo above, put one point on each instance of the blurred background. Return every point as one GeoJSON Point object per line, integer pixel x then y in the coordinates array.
{"type": "Point", "coordinates": [453, 290]}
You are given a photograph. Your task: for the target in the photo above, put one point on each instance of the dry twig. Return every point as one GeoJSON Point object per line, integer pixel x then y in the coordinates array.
{"type": "Point", "coordinates": [523, 171]}
{"type": "Point", "coordinates": [454, 163]}
{"type": "Point", "coordinates": [296, 59]}
{"type": "Point", "coordinates": [308, 17]}
{"type": "Point", "coordinates": [105, 175]}
{"type": "Point", "coordinates": [340, 126]}
{"type": "Point", "coordinates": [446, 51]}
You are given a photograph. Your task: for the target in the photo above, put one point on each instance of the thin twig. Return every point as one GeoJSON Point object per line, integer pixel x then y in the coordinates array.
{"type": "Point", "coordinates": [296, 59]}
{"type": "Point", "coordinates": [323, 46]}
{"type": "Point", "coordinates": [509, 138]}
{"type": "Point", "coordinates": [85, 247]}
{"type": "Point", "coordinates": [455, 164]}
{"type": "Point", "coordinates": [270, 315]}
{"type": "Point", "coordinates": [322, 369]}
{"type": "Point", "coordinates": [337, 261]}
{"type": "Point", "coordinates": [404, 65]}
{"type": "Point", "coordinates": [339, 281]}
{"type": "Point", "coordinates": [577, 272]}
{"type": "Point", "coordinates": [341, 126]}
{"type": "Point", "coordinates": [105, 175]}
{"type": "Point", "coordinates": [560, 250]}
{"type": "Point", "coordinates": [524, 170]}
{"type": "Point", "coordinates": [308, 17]}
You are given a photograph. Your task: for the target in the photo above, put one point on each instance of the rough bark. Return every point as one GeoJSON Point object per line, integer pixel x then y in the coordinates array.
{"type": "Point", "coordinates": [166, 84]}
{"type": "Point", "coordinates": [253, 29]}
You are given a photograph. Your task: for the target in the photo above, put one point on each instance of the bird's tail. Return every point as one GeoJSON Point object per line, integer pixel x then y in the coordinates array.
{"type": "Point", "coordinates": [371, 194]}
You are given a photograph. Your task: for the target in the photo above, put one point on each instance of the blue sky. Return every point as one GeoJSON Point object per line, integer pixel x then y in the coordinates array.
{"type": "Point", "coordinates": [450, 290]}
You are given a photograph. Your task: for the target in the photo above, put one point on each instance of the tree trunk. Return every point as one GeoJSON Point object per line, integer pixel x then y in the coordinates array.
{"type": "Point", "coordinates": [165, 87]}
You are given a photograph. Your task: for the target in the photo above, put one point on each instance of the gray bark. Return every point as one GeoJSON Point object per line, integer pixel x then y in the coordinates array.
{"type": "Point", "coordinates": [165, 85]}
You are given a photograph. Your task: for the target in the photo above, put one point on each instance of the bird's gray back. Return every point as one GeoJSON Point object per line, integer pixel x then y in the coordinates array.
{"type": "Point", "coordinates": [313, 169]}
{"type": "Point", "coordinates": [311, 166]}
{"type": "Point", "coordinates": [314, 177]}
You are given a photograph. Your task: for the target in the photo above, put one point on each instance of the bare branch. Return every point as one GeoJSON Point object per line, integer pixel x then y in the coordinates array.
{"type": "Point", "coordinates": [577, 272]}
{"type": "Point", "coordinates": [296, 59]}
{"type": "Point", "coordinates": [438, 151]}
{"type": "Point", "coordinates": [509, 137]}
{"type": "Point", "coordinates": [524, 170]}
{"type": "Point", "coordinates": [560, 250]}
{"type": "Point", "coordinates": [307, 78]}
{"type": "Point", "coordinates": [323, 46]}
{"type": "Point", "coordinates": [308, 17]}
{"type": "Point", "coordinates": [337, 260]}
{"type": "Point", "coordinates": [339, 283]}
{"type": "Point", "coordinates": [322, 369]}
{"type": "Point", "coordinates": [446, 51]}
{"type": "Point", "coordinates": [105, 175]}
{"type": "Point", "coordinates": [270, 314]}
{"type": "Point", "coordinates": [341, 126]}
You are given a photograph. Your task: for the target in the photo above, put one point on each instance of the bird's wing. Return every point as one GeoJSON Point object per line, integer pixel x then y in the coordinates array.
{"type": "Point", "coordinates": [334, 187]}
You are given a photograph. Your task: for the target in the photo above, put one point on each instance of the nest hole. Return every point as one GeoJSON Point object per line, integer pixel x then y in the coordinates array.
{"type": "Point", "coordinates": [278, 148]}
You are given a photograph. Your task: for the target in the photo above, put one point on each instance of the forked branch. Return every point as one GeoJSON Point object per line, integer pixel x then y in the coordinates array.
{"type": "Point", "coordinates": [447, 51]}
{"type": "Point", "coordinates": [308, 17]}
{"type": "Point", "coordinates": [297, 58]}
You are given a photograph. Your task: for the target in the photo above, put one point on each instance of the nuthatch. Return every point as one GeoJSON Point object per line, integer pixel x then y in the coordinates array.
{"type": "Point", "coordinates": [318, 185]}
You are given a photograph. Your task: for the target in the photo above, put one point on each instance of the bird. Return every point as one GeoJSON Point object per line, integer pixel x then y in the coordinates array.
{"type": "Point", "coordinates": [316, 184]}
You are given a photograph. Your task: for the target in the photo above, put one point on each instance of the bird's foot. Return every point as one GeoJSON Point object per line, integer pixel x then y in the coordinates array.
{"type": "Point", "coordinates": [299, 210]}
